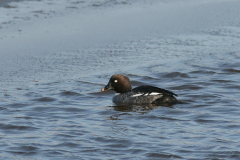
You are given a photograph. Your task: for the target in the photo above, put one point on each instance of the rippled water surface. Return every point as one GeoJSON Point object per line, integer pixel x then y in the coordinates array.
{"type": "Point", "coordinates": [54, 109]}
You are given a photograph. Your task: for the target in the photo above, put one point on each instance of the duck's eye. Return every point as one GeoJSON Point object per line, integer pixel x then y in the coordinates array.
{"type": "Point", "coordinates": [115, 81]}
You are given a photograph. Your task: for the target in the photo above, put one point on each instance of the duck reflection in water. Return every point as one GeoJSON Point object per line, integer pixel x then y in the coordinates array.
{"type": "Point", "coordinates": [143, 109]}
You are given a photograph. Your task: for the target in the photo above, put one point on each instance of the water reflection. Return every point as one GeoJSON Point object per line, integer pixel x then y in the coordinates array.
{"type": "Point", "coordinates": [143, 109]}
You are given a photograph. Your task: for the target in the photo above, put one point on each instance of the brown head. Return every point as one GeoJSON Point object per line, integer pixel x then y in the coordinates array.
{"type": "Point", "coordinates": [119, 83]}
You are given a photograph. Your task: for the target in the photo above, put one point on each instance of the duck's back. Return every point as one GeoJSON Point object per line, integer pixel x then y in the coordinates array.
{"type": "Point", "coordinates": [145, 95]}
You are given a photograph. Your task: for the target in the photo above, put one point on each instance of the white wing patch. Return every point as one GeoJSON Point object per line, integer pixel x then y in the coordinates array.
{"type": "Point", "coordinates": [147, 94]}
{"type": "Point", "coordinates": [136, 95]}
{"type": "Point", "coordinates": [154, 93]}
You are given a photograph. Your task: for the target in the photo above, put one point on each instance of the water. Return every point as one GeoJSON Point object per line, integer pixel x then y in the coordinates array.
{"type": "Point", "coordinates": [51, 105]}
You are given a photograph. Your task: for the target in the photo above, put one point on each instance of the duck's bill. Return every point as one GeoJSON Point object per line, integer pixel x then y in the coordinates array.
{"type": "Point", "coordinates": [107, 87]}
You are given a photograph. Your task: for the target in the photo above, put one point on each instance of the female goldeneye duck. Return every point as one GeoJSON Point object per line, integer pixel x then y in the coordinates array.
{"type": "Point", "coordinates": [139, 95]}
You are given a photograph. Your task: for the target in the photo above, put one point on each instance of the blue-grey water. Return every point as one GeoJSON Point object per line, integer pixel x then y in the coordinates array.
{"type": "Point", "coordinates": [58, 55]}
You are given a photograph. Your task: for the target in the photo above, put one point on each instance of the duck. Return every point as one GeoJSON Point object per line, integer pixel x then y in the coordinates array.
{"type": "Point", "coordinates": [145, 94]}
